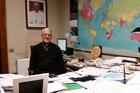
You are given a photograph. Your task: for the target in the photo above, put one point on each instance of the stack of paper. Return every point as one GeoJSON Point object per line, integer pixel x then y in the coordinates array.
{"type": "Point", "coordinates": [92, 71]}
{"type": "Point", "coordinates": [6, 80]}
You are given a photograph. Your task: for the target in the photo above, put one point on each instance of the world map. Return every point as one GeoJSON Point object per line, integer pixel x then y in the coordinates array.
{"type": "Point", "coordinates": [109, 23]}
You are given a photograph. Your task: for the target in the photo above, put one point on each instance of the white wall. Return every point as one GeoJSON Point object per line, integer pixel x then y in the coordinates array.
{"type": "Point", "coordinates": [19, 38]}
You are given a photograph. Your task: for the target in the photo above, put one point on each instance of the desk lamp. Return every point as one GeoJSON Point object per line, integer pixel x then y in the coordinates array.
{"type": "Point", "coordinates": [136, 35]}
{"type": "Point", "coordinates": [72, 37]}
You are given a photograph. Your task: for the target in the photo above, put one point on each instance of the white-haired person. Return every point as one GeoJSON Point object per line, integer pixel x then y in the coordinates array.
{"type": "Point", "coordinates": [46, 57]}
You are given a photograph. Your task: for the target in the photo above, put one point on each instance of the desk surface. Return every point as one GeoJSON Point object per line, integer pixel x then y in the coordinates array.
{"type": "Point", "coordinates": [105, 78]}
{"type": "Point", "coordinates": [92, 85]}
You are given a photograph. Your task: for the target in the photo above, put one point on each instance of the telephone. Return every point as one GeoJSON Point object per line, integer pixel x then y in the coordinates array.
{"type": "Point", "coordinates": [96, 62]}
{"type": "Point", "coordinates": [75, 62]}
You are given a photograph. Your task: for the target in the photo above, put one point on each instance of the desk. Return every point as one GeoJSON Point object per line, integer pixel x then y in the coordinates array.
{"type": "Point", "coordinates": [108, 78]}
{"type": "Point", "coordinates": [91, 86]}
{"type": "Point", "coordinates": [104, 81]}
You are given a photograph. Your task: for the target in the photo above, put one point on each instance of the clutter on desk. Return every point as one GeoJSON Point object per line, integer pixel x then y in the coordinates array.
{"type": "Point", "coordinates": [72, 86]}
{"type": "Point", "coordinates": [83, 78]}
{"type": "Point", "coordinates": [75, 62]}
{"type": "Point", "coordinates": [6, 81]}
{"type": "Point", "coordinates": [92, 71]}
{"type": "Point", "coordinates": [110, 71]}
{"type": "Point", "coordinates": [98, 62]}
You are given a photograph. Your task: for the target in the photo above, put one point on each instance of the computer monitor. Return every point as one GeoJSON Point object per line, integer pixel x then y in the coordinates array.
{"type": "Point", "coordinates": [62, 43]}
{"type": "Point", "coordinates": [31, 84]}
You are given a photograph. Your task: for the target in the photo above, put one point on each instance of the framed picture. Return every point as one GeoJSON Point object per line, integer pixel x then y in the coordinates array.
{"type": "Point", "coordinates": [36, 13]}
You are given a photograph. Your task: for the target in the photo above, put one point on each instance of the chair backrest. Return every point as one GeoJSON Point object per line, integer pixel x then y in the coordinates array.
{"type": "Point", "coordinates": [22, 66]}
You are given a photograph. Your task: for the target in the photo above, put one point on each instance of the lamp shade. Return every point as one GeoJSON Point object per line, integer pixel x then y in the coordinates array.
{"type": "Point", "coordinates": [71, 36]}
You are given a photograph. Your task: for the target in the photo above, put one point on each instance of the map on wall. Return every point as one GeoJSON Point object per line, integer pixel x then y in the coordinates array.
{"type": "Point", "coordinates": [109, 23]}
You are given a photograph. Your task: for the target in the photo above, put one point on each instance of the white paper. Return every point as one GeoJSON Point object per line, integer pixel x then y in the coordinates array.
{"type": "Point", "coordinates": [52, 87]}
{"type": "Point", "coordinates": [92, 71]}
{"type": "Point", "coordinates": [1, 90]}
{"type": "Point", "coordinates": [7, 79]}
{"type": "Point", "coordinates": [11, 76]}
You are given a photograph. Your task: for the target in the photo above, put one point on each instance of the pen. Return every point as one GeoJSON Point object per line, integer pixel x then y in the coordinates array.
{"type": "Point", "coordinates": [57, 91]}
{"type": "Point", "coordinates": [50, 81]}
{"type": "Point", "coordinates": [124, 74]}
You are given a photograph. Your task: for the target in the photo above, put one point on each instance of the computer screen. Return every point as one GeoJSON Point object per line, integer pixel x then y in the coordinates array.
{"type": "Point", "coordinates": [31, 84]}
{"type": "Point", "coordinates": [62, 43]}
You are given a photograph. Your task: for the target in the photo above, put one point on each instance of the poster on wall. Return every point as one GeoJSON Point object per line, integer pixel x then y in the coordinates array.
{"type": "Point", "coordinates": [109, 23]}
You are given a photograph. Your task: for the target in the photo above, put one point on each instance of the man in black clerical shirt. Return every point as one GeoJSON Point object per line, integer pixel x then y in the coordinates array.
{"type": "Point", "coordinates": [46, 57]}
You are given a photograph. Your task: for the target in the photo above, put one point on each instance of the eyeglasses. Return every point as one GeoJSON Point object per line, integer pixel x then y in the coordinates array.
{"type": "Point", "coordinates": [46, 34]}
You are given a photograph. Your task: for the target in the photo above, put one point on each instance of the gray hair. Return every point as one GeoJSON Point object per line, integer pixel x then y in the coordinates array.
{"type": "Point", "coordinates": [47, 29]}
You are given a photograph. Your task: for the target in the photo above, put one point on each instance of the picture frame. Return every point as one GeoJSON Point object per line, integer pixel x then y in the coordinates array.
{"type": "Point", "coordinates": [36, 14]}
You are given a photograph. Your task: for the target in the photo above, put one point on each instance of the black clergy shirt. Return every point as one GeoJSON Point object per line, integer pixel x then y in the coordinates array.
{"type": "Point", "coordinates": [46, 58]}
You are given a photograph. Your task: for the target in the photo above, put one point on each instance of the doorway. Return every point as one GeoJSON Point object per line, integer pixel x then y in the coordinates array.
{"type": "Point", "coordinates": [3, 39]}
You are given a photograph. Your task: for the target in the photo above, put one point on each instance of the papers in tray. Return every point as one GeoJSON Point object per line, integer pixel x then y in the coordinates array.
{"type": "Point", "coordinates": [92, 71]}
{"type": "Point", "coordinates": [6, 80]}
{"type": "Point", "coordinates": [1, 90]}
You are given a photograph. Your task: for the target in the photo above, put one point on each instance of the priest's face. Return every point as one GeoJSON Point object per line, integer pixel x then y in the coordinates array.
{"type": "Point", "coordinates": [46, 35]}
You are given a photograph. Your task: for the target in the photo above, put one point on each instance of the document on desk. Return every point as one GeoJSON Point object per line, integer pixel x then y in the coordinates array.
{"type": "Point", "coordinates": [82, 90]}
{"type": "Point", "coordinates": [10, 76]}
{"type": "Point", "coordinates": [135, 81]}
{"type": "Point", "coordinates": [107, 86]}
{"type": "Point", "coordinates": [92, 71]}
{"type": "Point", "coordinates": [72, 86]}
{"type": "Point", "coordinates": [70, 75]}
{"type": "Point", "coordinates": [57, 84]}
{"type": "Point", "coordinates": [6, 80]}
{"type": "Point", "coordinates": [55, 87]}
